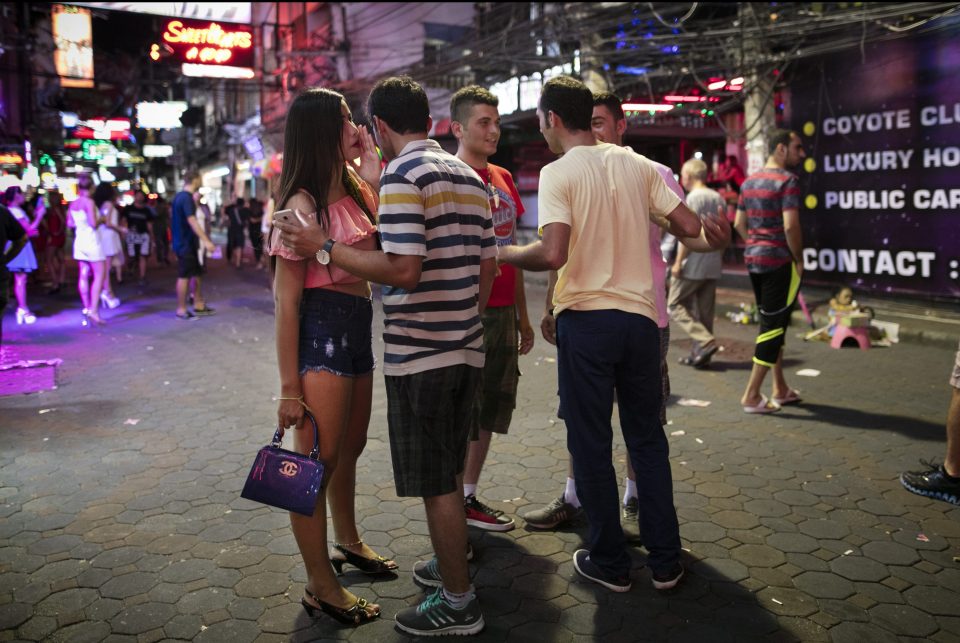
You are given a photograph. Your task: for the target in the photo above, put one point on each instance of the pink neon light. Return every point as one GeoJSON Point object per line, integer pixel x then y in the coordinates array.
{"type": "Point", "coordinates": [685, 99]}
{"type": "Point", "coordinates": [646, 107]}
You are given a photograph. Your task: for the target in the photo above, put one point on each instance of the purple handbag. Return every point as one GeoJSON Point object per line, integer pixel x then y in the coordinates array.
{"type": "Point", "coordinates": [285, 479]}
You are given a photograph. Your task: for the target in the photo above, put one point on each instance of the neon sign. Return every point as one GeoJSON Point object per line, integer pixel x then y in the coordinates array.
{"type": "Point", "coordinates": [207, 43]}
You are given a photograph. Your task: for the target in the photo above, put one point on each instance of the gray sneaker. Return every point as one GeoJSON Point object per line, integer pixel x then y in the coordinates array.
{"type": "Point", "coordinates": [631, 510]}
{"type": "Point", "coordinates": [559, 512]}
{"type": "Point", "coordinates": [427, 573]}
{"type": "Point", "coordinates": [436, 617]}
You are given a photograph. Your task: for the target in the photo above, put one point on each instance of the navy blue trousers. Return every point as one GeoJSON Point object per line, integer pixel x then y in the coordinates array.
{"type": "Point", "coordinates": [599, 352]}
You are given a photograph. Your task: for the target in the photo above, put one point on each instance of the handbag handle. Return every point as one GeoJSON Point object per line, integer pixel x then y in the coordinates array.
{"type": "Point", "coordinates": [315, 452]}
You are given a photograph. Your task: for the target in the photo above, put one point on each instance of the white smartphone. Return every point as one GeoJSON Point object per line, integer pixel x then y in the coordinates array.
{"type": "Point", "coordinates": [287, 216]}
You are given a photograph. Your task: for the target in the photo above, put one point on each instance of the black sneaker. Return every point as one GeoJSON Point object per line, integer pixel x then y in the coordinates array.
{"type": "Point", "coordinates": [206, 311]}
{"type": "Point", "coordinates": [559, 512]}
{"type": "Point", "coordinates": [630, 511]}
{"type": "Point", "coordinates": [586, 568]}
{"type": "Point", "coordinates": [484, 517]}
{"type": "Point", "coordinates": [436, 617]}
{"type": "Point", "coordinates": [935, 482]}
{"type": "Point", "coordinates": [668, 580]}
{"type": "Point", "coordinates": [427, 573]}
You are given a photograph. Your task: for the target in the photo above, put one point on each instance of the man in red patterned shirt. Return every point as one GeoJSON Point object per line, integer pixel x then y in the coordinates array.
{"type": "Point", "coordinates": [768, 217]}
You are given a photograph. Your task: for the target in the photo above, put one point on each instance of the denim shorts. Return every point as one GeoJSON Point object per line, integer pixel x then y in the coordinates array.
{"type": "Point", "coordinates": [335, 333]}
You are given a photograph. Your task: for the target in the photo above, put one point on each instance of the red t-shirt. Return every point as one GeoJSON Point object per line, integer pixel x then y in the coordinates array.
{"type": "Point", "coordinates": [507, 209]}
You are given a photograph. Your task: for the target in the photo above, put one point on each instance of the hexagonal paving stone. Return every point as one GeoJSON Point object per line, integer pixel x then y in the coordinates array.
{"type": "Point", "coordinates": [54, 544]}
{"type": "Point", "coordinates": [767, 507]}
{"type": "Point", "coordinates": [261, 585]}
{"type": "Point", "coordinates": [758, 556]}
{"type": "Point", "coordinates": [14, 614]}
{"type": "Point", "coordinates": [142, 618]}
{"type": "Point", "coordinates": [184, 571]}
{"type": "Point", "coordinates": [736, 519]}
{"type": "Point", "coordinates": [87, 632]}
{"type": "Point", "coordinates": [720, 569]}
{"type": "Point", "coordinates": [824, 529]}
{"type": "Point", "coordinates": [787, 602]}
{"type": "Point", "coordinates": [591, 620]}
{"type": "Point", "coordinates": [861, 633]}
{"type": "Point", "coordinates": [230, 630]}
{"type": "Point", "coordinates": [541, 586]}
{"type": "Point", "coordinates": [118, 557]}
{"type": "Point", "coordinates": [859, 568]}
{"type": "Point", "coordinates": [890, 553]}
{"type": "Point", "coordinates": [704, 532]}
{"type": "Point", "coordinates": [66, 602]}
{"type": "Point", "coordinates": [540, 544]}
{"type": "Point", "coordinates": [128, 585]}
{"type": "Point", "coordinates": [933, 600]}
{"type": "Point", "coordinates": [903, 620]}
{"type": "Point", "coordinates": [793, 542]}
{"type": "Point", "coordinates": [823, 585]}
{"type": "Point", "coordinates": [205, 600]}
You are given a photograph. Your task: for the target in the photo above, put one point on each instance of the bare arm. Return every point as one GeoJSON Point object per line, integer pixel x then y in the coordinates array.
{"type": "Point", "coordinates": [547, 253]}
{"type": "Point", "coordinates": [548, 323]}
{"type": "Point", "coordinates": [740, 223]}
{"type": "Point", "coordinates": [523, 317]}
{"type": "Point", "coordinates": [682, 253]}
{"type": "Point", "coordinates": [684, 222]}
{"type": "Point", "coordinates": [199, 231]}
{"type": "Point", "coordinates": [791, 228]}
{"type": "Point", "coordinates": [287, 291]}
{"type": "Point", "coordinates": [488, 271]}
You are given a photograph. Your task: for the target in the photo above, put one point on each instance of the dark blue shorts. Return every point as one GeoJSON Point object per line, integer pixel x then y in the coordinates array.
{"type": "Point", "coordinates": [335, 333]}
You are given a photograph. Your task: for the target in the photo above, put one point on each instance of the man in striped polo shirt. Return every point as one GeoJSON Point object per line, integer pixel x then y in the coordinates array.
{"type": "Point", "coordinates": [768, 218]}
{"type": "Point", "coordinates": [437, 267]}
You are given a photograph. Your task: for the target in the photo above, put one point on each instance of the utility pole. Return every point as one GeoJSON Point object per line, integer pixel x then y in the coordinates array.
{"type": "Point", "coordinates": [759, 116]}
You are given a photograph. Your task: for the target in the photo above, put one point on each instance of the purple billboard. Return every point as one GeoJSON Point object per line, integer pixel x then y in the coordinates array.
{"type": "Point", "coordinates": [881, 184]}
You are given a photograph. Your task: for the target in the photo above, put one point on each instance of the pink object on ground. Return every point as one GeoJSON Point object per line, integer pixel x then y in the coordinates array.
{"type": "Point", "coordinates": [841, 332]}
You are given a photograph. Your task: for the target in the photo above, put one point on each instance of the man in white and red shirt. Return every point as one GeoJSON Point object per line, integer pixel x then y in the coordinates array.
{"type": "Point", "coordinates": [507, 333]}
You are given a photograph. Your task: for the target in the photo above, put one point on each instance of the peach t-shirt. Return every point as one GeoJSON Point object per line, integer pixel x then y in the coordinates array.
{"type": "Point", "coordinates": [348, 225]}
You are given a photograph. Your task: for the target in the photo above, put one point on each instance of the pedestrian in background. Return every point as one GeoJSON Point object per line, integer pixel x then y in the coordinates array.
{"type": "Point", "coordinates": [942, 481]}
{"type": "Point", "coordinates": [768, 218]}
{"type": "Point", "coordinates": [55, 224]}
{"type": "Point", "coordinates": [25, 261]}
{"type": "Point", "coordinates": [82, 217]}
{"type": "Point", "coordinates": [161, 229]}
{"type": "Point", "coordinates": [694, 275]}
{"type": "Point", "coordinates": [237, 214]}
{"type": "Point", "coordinates": [188, 236]}
{"type": "Point", "coordinates": [12, 239]}
{"type": "Point", "coordinates": [324, 319]}
{"type": "Point", "coordinates": [254, 220]}
{"type": "Point", "coordinates": [138, 216]}
{"type": "Point", "coordinates": [104, 198]}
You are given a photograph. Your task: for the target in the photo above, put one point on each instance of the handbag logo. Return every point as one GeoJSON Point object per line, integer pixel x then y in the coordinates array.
{"type": "Point", "coordinates": [289, 469]}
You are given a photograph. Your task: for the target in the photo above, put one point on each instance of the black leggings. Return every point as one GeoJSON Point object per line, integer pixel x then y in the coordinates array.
{"type": "Point", "coordinates": [776, 292]}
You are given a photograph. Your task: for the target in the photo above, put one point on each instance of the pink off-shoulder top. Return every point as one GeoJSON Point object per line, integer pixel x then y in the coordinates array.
{"type": "Point", "coordinates": [348, 225]}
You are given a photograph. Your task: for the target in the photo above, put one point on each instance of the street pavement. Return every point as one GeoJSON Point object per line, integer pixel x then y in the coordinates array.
{"type": "Point", "coordinates": [120, 515]}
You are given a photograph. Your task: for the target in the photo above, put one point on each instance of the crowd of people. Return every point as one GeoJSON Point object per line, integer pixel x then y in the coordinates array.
{"type": "Point", "coordinates": [438, 232]}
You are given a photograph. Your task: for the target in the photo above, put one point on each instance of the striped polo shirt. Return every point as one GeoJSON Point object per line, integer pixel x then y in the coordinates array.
{"type": "Point", "coordinates": [434, 205]}
{"type": "Point", "coordinates": [763, 197]}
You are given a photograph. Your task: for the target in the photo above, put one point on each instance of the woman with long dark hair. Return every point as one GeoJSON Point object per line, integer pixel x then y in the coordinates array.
{"type": "Point", "coordinates": [104, 197]}
{"type": "Point", "coordinates": [324, 347]}
{"type": "Point", "coordinates": [26, 261]}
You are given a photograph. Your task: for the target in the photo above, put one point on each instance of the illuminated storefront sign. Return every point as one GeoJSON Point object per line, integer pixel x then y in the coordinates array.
{"type": "Point", "coordinates": [73, 37]}
{"type": "Point", "coordinates": [157, 151]}
{"type": "Point", "coordinates": [208, 48]}
{"type": "Point", "coordinates": [164, 115]}
{"type": "Point", "coordinates": [10, 158]}
{"type": "Point", "coordinates": [112, 129]}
